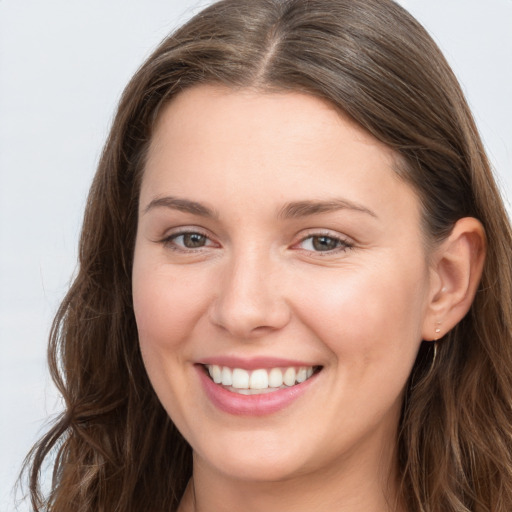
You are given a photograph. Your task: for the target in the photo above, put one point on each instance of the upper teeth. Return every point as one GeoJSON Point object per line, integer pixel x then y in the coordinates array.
{"type": "Point", "coordinates": [261, 379]}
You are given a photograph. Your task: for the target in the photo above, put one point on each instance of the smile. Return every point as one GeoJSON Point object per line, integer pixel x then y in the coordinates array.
{"type": "Point", "coordinates": [259, 381]}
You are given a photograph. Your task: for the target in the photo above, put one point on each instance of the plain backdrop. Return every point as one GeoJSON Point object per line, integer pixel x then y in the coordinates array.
{"type": "Point", "coordinates": [63, 65]}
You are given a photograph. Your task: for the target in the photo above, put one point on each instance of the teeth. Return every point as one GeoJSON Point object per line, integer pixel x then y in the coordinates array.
{"type": "Point", "coordinates": [240, 379]}
{"type": "Point", "coordinates": [216, 374]}
{"type": "Point", "coordinates": [258, 381]}
{"type": "Point", "coordinates": [227, 377]}
{"type": "Point", "coordinates": [301, 375]}
{"type": "Point", "coordinates": [289, 376]}
{"type": "Point", "coordinates": [275, 378]}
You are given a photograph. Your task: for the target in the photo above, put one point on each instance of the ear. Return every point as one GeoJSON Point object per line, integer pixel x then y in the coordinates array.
{"type": "Point", "coordinates": [456, 271]}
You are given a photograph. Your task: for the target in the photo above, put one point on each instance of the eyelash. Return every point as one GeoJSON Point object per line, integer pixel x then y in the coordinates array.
{"type": "Point", "coordinates": [342, 244]}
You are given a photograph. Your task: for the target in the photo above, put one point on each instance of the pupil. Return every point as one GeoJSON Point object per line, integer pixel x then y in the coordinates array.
{"type": "Point", "coordinates": [324, 243]}
{"type": "Point", "coordinates": [193, 240]}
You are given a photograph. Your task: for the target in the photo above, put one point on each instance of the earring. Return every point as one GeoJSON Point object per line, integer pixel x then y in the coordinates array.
{"type": "Point", "coordinates": [435, 342]}
{"type": "Point", "coordinates": [434, 357]}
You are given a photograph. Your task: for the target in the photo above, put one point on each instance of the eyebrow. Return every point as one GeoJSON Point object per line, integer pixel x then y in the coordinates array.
{"type": "Point", "coordinates": [182, 205]}
{"type": "Point", "coordinates": [300, 209]}
{"type": "Point", "coordinates": [293, 210]}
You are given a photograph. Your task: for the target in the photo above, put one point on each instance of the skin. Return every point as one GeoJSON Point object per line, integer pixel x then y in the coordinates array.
{"type": "Point", "coordinates": [257, 285]}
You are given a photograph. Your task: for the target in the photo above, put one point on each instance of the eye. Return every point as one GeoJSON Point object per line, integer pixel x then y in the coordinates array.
{"type": "Point", "coordinates": [324, 243]}
{"type": "Point", "coordinates": [189, 240]}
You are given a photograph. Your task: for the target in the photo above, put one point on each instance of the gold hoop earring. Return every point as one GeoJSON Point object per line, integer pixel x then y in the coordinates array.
{"type": "Point", "coordinates": [434, 358]}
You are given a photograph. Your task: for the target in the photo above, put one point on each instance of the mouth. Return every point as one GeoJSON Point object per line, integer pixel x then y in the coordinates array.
{"type": "Point", "coordinates": [259, 381]}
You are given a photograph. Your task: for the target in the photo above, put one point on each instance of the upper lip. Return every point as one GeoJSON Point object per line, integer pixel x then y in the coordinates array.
{"type": "Point", "coordinates": [254, 363]}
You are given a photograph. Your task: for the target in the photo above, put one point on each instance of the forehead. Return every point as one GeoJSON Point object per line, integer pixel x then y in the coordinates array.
{"type": "Point", "coordinates": [292, 115]}
{"type": "Point", "coordinates": [213, 141]}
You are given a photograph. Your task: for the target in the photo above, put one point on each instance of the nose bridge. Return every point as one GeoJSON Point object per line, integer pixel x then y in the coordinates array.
{"type": "Point", "coordinates": [250, 297]}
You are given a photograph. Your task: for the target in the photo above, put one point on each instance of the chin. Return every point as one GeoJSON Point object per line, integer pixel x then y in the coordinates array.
{"type": "Point", "coordinates": [254, 469]}
{"type": "Point", "coordinates": [257, 458]}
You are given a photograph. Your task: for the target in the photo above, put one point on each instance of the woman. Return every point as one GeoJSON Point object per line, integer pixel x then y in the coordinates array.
{"type": "Point", "coordinates": [295, 279]}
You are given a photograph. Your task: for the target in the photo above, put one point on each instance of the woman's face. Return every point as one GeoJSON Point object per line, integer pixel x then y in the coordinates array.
{"type": "Point", "coordinates": [276, 242]}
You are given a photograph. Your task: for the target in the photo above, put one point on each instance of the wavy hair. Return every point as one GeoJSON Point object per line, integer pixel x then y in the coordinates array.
{"type": "Point", "coordinates": [114, 448]}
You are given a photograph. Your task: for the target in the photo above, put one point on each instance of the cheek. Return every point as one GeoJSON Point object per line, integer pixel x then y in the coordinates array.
{"type": "Point", "coordinates": [369, 311]}
{"type": "Point", "coordinates": [371, 323]}
{"type": "Point", "coordinates": [153, 309]}
{"type": "Point", "coordinates": [166, 308]}
{"type": "Point", "coordinates": [166, 311]}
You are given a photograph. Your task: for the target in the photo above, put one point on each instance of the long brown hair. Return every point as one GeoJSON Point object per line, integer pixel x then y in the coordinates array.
{"type": "Point", "coordinates": [114, 447]}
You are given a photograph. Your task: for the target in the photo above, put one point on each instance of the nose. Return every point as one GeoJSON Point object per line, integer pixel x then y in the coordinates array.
{"type": "Point", "coordinates": [250, 301]}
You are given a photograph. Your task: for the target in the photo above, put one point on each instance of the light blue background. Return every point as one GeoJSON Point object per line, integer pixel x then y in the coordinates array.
{"type": "Point", "coordinates": [63, 65]}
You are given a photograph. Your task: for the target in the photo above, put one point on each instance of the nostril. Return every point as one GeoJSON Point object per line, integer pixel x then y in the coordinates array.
{"type": "Point", "coordinates": [249, 320]}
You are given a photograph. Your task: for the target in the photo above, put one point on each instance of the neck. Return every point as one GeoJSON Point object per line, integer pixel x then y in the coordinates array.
{"type": "Point", "coordinates": [367, 487]}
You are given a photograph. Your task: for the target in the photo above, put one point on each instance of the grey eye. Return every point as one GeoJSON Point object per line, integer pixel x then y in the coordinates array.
{"type": "Point", "coordinates": [192, 240]}
{"type": "Point", "coordinates": [322, 243]}
{"type": "Point", "coordinates": [325, 244]}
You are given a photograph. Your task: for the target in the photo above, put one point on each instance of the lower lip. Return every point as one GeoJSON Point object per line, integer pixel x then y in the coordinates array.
{"type": "Point", "coordinates": [251, 405]}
